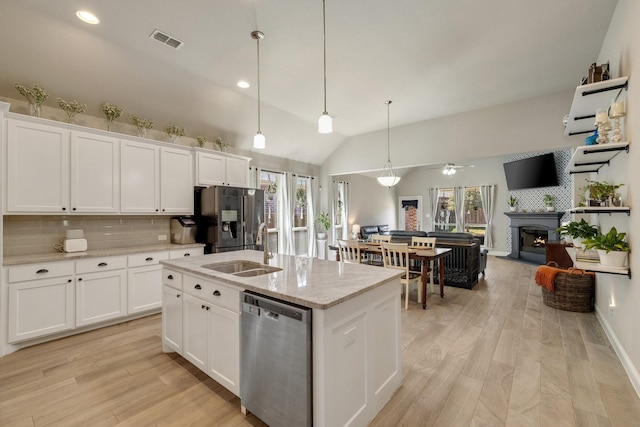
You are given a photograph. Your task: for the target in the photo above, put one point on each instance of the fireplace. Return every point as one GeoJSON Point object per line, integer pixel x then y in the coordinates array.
{"type": "Point", "coordinates": [530, 232]}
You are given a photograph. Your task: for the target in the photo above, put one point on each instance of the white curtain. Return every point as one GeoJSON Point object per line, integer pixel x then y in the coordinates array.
{"type": "Point", "coordinates": [334, 215]}
{"type": "Point", "coordinates": [345, 211]}
{"type": "Point", "coordinates": [433, 206]}
{"type": "Point", "coordinates": [458, 194]}
{"type": "Point", "coordinates": [312, 196]}
{"type": "Point", "coordinates": [487, 193]}
{"type": "Point", "coordinates": [285, 215]}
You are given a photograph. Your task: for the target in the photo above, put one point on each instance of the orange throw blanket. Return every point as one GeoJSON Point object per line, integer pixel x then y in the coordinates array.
{"type": "Point", "coordinates": [546, 275]}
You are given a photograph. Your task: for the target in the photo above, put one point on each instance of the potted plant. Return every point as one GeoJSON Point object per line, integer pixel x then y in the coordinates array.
{"type": "Point", "coordinates": [548, 202]}
{"type": "Point", "coordinates": [612, 247]}
{"type": "Point", "coordinates": [325, 223]}
{"type": "Point", "coordinates": [272, 188]}
{"type": "Point", "coordinates": [578, 231]}
{"type": "Point", "coordinates": [601, 193]}
{"type": "Point", "coordinates": [174, 132]}
{"type": "Point", "coordinates": [512, 203]}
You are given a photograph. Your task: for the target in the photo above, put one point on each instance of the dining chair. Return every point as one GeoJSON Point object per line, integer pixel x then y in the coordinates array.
{"type": "Point", "coordinates": [396, 256]}
{"type": "Point", "coordinates": [374, 259]}
{"type": "Point", "coordinates": [427, 243]}
{"type": "Point", "coordinates": [350, 251]}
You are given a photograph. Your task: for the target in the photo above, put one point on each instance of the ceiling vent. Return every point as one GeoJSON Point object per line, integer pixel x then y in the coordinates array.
{"type": "Point", "coordinates": [166, 39]}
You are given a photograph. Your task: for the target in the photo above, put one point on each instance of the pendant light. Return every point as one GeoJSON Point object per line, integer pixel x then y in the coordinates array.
{"type": "Point", "coordinates": [325, 124]}
{"type": "Point", "coordinates": [388, 177]}
{"type": "Point", "coordinates": [259, 140]}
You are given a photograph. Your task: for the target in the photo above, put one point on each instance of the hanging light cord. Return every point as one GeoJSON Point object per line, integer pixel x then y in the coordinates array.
{"type": "Point", "coordinates": [258, 40]}
{"type": "Point", "coordinates": [388, 131]}
{"type": "Point", "coordinates": [324, 44]}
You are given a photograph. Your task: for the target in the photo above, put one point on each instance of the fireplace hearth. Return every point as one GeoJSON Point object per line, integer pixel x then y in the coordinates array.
{"type": "Point", "coordinates": [530, 232]}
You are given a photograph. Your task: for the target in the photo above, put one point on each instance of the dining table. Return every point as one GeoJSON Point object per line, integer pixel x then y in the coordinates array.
{"type": "Point", "coordinates": [418, 253]}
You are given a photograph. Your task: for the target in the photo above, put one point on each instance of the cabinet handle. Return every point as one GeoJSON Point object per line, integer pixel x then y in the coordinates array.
{"type": "Point", "coordinates": [42, 271]}
{"type": "Point", "coordinates": [149, 259]}
{"type": "Point", "coordinates": [198, 287]}
{"type": "Point", "coordinates": [187, 254]}
{"type": "Point", "coordinates": [208, 308]}
{"type": "Point", "coordinates": [74, 209]}
{"type": "Point", "coordinates": [178, 296]}
{"type": "Point", "coordinates": [69, 281]}
{"type": "Point", "coordinates": [79, 279]}
{"type": "Point", "coordinates": [216, 293]}
{"type": "Point", "coordinates": [170, 277]}
{"type": "Point", "coordinates": [64, 209]}
{"type": "Point", "coordinates": [157, 210]}
{"type": "Point", "coordinates": [102, 264]}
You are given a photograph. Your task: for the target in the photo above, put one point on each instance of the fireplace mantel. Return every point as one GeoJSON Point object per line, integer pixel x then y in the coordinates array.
{"type": "Point", "coordinates": [549, 221]}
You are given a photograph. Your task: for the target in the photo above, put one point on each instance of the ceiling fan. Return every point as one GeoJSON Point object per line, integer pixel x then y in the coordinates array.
{"type": "Point", "coordinates": [449, 168]}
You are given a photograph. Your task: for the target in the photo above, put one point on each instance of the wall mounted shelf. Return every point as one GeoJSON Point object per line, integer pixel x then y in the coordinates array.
{"type": "Point", "coordinates": [599, 210]}
{"type": "Point", "coordinates": [590, 158]}
{"type": "Point", "coordinates": [596, 266]}
{"type": "Point", "coordinates": [588, 98]}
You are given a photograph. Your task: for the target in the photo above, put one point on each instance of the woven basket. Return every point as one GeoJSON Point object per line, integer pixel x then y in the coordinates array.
{"type": "Point", "coordinates": [573, 291]}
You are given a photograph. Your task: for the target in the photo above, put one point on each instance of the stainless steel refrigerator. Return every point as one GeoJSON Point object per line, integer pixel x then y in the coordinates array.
{"type": "Point", "coordinates": [228, 217]}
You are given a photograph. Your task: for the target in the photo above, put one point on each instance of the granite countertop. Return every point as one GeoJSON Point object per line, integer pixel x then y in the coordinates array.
{"type": "Point", "coordinates": [309, 282]}
{"type": "Point", "coordinates": [63, 256]}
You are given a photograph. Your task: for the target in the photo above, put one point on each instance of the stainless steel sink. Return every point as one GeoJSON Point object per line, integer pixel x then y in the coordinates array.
{"type": "Point", "coordinates": [242, 268]}
{"type": "Point", "coordinates": [257, 271]}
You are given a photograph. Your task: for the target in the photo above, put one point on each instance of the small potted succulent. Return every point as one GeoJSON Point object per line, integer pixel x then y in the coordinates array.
{"type": "Point", "coordinates": [222, 145]}
{"type": "Point", "coordinates": [612, 247]}
{"type": "Point", "coordinates": [548, 202]}
{"type": "Point", "coordinates": [324, 221]}
{"type": "Point", "coordinates": [512, 203]}
{"type": "Point", "coordinates": [201, 140]}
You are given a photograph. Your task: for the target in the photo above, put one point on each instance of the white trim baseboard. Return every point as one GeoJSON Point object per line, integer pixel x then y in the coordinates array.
{"type": "Point", "coordinates": [631, 370]}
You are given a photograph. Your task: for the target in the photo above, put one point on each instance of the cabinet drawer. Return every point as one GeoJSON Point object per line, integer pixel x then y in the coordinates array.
{"type": "Point", "coordinates": [40, 271]}
{"type": "Point", "coordinates": [172, 278]}
{"type": "Point", "coordinates": [181, 253]}
{"type": "Point", "coordinates": [213, 292]}
{"type": "Point", "coordinates": [100, 264]}
{"type": "Point", "coordinates": [147, 258]}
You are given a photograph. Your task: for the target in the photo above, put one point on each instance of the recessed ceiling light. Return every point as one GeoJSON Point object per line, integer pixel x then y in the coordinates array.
{"type": "Point", "coordinates": [87, 17]}
{"type": "Point", "coordinates": [243, 84]}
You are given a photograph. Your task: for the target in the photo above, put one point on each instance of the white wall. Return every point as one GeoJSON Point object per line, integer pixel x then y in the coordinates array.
{"type": "Point", "coordinates": [370, 203]}
{"type": "Point", "coordinates": [621, 49]}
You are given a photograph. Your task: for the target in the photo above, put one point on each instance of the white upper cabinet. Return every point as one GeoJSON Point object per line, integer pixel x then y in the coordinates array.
{"type": "Point", "coordinates": [216, 169]}
{"type": "Point", "coordinates": [176, 181]}
{"type": "Point", "coordinates": [95, 173]}
{"type": "Point", "coordinates": [140, 177]}
{"type": "Point", "coordinates": [156, 179]}
{"type": "Point", "coordinates": [37, 168]}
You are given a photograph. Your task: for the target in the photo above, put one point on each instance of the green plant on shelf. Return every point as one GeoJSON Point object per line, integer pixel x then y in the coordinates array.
{"type": "Point", "coordinates": [611, 241]}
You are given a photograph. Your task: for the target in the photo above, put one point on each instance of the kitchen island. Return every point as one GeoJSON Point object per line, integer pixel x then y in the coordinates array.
{"type": "Point", "coordinates": [356, 352]}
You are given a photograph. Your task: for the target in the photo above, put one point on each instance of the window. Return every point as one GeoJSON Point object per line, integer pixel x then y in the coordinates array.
{"type": "Point", "coordinates": [269, 183]}
{"type": "Point", "coordinates": [300, 217]}
{"type": "Point", "coordinates": [474, 218]}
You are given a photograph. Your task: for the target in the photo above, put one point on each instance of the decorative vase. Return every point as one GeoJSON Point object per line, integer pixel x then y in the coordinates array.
{"type": "Point", "coordinates": [109, 122]}
{"type": "Point", "coordinates": [34, 109]}
{"type": "Point", "coordinates": [142, 132]}
{"type": "Point", "coordinates": [577, 242]}
{"type": "Point", "coordinates": [321, 236]}
{"type": "Point", "coordinates": [512, 208]}
{"type": "Point", "coordinates": [550, 208]}
{"type": "Point", "coordinates": [613, 258]}
{"type": "Point", "coordinates": [173, 138]}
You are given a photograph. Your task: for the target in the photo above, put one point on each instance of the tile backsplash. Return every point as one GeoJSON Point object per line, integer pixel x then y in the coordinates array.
{"type": "Point", "coordinates": [32, 234]}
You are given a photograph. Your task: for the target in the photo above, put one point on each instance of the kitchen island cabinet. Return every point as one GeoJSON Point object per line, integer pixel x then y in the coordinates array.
{"type": "Point", "coordinates": [356, 350]}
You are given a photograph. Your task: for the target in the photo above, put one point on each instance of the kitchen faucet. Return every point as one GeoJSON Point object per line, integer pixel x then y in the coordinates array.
{"type": "Point", "coordinates": [263, 234]}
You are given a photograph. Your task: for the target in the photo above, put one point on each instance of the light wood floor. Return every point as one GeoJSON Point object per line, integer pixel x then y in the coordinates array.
{"type": "Point", "coordinates": [494, 356]}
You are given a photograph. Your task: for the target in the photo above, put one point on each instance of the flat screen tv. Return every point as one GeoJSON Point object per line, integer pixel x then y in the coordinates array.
{"type": "Point", "coordinates": [532, 172]}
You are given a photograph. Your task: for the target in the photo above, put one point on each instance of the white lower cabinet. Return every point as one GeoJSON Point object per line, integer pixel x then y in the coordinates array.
{"type": "Point", "coordinates": [144, 281]}
{"type": "Point", "coordinates": [172, 318]}
{"type": "Point", "coordinates": [100, 296]}
{"type": "Point", "coordinates": [210, 326]}
{"type": "Point", "coordinates": [40, 307]}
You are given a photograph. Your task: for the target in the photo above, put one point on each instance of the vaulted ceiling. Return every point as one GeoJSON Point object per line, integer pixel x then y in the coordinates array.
{"type": "Point", "coordinates": [431, 57]}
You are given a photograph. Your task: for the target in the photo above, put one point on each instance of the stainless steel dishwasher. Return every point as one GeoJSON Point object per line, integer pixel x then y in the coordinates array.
{"type": "Point", "coordinates": [275, 375]}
